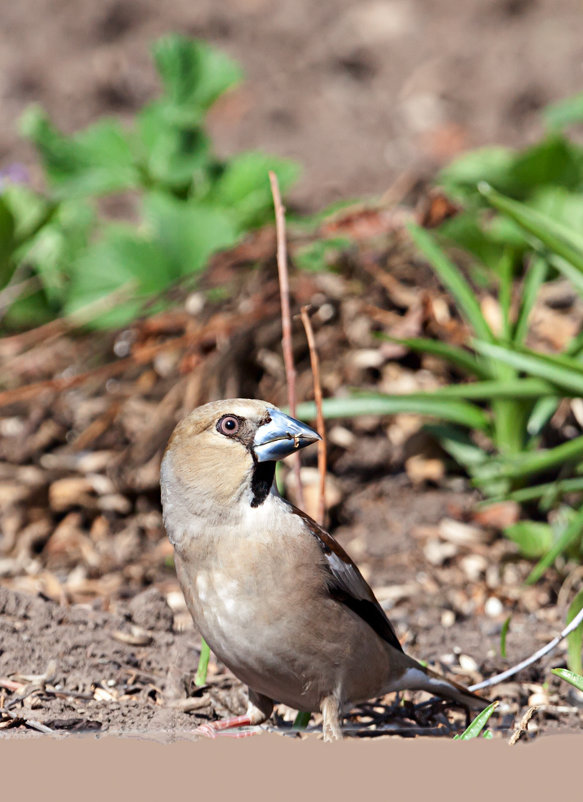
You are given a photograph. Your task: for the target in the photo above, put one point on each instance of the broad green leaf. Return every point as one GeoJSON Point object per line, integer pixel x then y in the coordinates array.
{"type": "Point", "coordinates": [446, 409]}
{"type": "Point", "coordinates": [466, 231]}
{"type": "Point", "coordinates": [174, 155]}
{"type": "Point", "coordinates": [564, 112]}
{"type": "Point", "coordinates": [121, 271]}
{"type": "Point", "coordinates": [552, 162]}
{"type": "Point", "coordinates": [576, 680]}
{"type": "Point", "coordinates": [452, 278]}
{"type": "Point", "coordinates": [477, 724]}
{"type": "Point", "coordinates": [96, 161]}
{"type": "Point", "coordinates": [575, 638]}
{"type": "Point", "coordinates": [532, 538]}
{"type": "Point", "coordinates": [29, 210]}
{"type": "Point", "coordinates": [491, 164]}
{"type": "Point", "coordinates": [7, 243]}
{"type": "Point", "coordinates": [188, 232]}
{"type": "Point", "coordinates": [193, 73]}
{"type": "Point", "coordinates": [244, 185]}
{"type": "Point", "coordinates": [571, 533]}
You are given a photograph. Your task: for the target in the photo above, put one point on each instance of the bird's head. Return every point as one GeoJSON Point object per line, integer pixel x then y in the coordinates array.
{"type": "Point", "coordinates": [223, 454]}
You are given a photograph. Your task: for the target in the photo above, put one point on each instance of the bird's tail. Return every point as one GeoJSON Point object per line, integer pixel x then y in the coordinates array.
{"type": "Point", "coordinates": [418, 678]}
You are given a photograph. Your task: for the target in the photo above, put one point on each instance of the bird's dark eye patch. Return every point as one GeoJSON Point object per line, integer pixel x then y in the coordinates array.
{"type": "Point", "coordinates": [229, 425]}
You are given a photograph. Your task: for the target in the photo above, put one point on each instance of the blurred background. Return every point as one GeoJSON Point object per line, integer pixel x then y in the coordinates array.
{"type": "Point", "coordinates": [357, 92]}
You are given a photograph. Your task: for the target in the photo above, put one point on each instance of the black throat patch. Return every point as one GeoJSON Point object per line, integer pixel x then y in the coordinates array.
{"type": "Point", "coordinates": [261, 481]}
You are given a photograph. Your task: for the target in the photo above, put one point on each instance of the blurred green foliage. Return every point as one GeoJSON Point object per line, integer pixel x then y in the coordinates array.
{"type": "Point", "coordinates": [60, 255]}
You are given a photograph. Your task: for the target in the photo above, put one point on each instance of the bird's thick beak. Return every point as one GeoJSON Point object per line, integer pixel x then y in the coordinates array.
{"type": "Point", "coordinates": [281, 436]}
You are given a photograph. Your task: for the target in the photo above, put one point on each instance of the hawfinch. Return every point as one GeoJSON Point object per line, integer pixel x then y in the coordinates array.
{"type": "Point", "coordinates": [277, 599]}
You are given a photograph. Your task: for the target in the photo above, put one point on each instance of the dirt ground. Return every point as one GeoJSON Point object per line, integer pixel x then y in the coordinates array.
{"type": "Point", "coordinates": [360, 93]}
{"type": "Point", "coordinates": [94, 635]}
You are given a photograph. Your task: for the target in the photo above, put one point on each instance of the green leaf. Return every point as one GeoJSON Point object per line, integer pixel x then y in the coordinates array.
{"type": "Point", "coordinates": [503, 635]}
{"type": "Point", "coordinates": [477, 724]}
{"type": "Point", "coordinates": [532, 538]}
{"type": "Point", "coordinates": [564, 112]}
{"type": "Point", "coordinates": [302, 720]}
{"type": "Point", "coordinates": [7, 243]}
{"type": "Point", "coordinates": [450, 353]}
{"type": "Point", "coordinates": [458, 444]}
{"type": "Point", "coordinates": [464, 229]}
{"type": "Point", "coordinates": [318, 255]}
{"type": "Point", "coordinates": [376, 404]}
{"type": "Point", "coordinates": [244, 185]}
{"type": "Point", "coordinates": [491, 164]}
{"type": "Point", "coordinates": [570, 534]}
{"type": "Point", "coordinates": [575, 638]}
{"type": "Point", "coordinates": [576, 680]}
{"type": "Point", "coordinates": [193, 73]}
{"type": "Point", "coordinates": [560, 370]}
{"type": "Point", "coordinates": [452, 278]}
{"type": "Point", "coordinates": [96, 161]}
{"type": "Point", "coordinates": [533, 281]}
{"type": "Point", "coordinates": [203, 663]}
{"type": "Point", "coordinates": [120, 271]}
{"type": "Point", "coordinates": [560, 239]}
{"type": "Point", "coordinates": [174, 155]}
{"type": "Point", "coordinates": [188, 232]}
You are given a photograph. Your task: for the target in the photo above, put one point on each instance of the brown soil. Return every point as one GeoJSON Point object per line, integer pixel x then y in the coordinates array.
{"type": "Point", "coordinates": [359, 93]}
{"type": "Point", "coordinates": [94, 634]}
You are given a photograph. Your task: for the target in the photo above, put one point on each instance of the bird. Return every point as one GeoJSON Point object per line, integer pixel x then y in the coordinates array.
{"type": "Point", "coordinates": [275, 596]}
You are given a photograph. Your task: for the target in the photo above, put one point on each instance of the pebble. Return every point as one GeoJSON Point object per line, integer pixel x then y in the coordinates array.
{"type": "Point", "coordinates": [467, 663]}
{"type": "Point", "coordinates": [447, 619]}
{"type": "Point", "coordinates": [493, 607]}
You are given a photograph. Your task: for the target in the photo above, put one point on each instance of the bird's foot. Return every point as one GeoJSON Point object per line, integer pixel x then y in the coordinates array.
{"type": "Point", "coordinates": [214, 728]}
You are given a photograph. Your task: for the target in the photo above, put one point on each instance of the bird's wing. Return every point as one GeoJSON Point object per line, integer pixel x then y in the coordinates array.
{"type": "Point", "coordinates": [347, 585]}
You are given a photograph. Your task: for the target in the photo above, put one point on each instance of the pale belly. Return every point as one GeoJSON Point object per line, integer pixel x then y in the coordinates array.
{"type": "Point", "coordinates": [276, 646]}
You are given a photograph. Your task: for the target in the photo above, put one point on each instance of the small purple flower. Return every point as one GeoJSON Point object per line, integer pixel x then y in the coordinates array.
{"type": "Point", "coordinates": [15, 173]}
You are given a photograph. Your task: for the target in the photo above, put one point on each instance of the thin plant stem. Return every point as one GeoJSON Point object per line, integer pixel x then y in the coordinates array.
{"type": "Point", "coordinates": [286, 341]}
{"type": "Point", "coordinates": [510, 672]}
{"type": "Point", "coordinates": [315, 363]}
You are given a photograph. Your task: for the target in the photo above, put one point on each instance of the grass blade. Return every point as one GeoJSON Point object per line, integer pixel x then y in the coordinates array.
{"type": "Point", "coordinates": [203, 663]}
{"type": "Point", "coordinates": [562, 371]}
{"type": "Point", "coordinates": [449, 409]}
{"type": "Point", "coordinates": [556, 237]}
{"type": "Point", "coordinates": [477, 724]}
{"type": "Point", "coordinates": [533, 281]}
{"type": "Point", "coordinates": [572, 531]}
{"type": "Point", "coordinates": [450, 353]}
{"type": "Point", "coordinates": [301, 720]}
{"type": "Point", "coordinates": [575, 638]}
{"type": "Point", "coordinates": [452, 278]}
{"type": "Point", "coordinates": [576, 680]}
{"type": "Point", "coordinates": [503, 634]}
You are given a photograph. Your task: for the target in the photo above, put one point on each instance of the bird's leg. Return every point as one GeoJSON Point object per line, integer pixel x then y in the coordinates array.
{"type": "Point", "coordinates": [258, 710]}
{"type": "Point", "coordinates": [331, 714]}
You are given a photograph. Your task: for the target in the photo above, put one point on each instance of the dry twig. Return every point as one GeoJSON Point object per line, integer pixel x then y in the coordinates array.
{"type": "Point", "coordinates": [288, 356]}
{"type": "Point", "coordinates": [315, 363]}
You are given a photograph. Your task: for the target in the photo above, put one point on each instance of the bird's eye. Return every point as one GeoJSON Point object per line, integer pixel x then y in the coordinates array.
{"type": "Point", "coordinates": [228, 425]}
